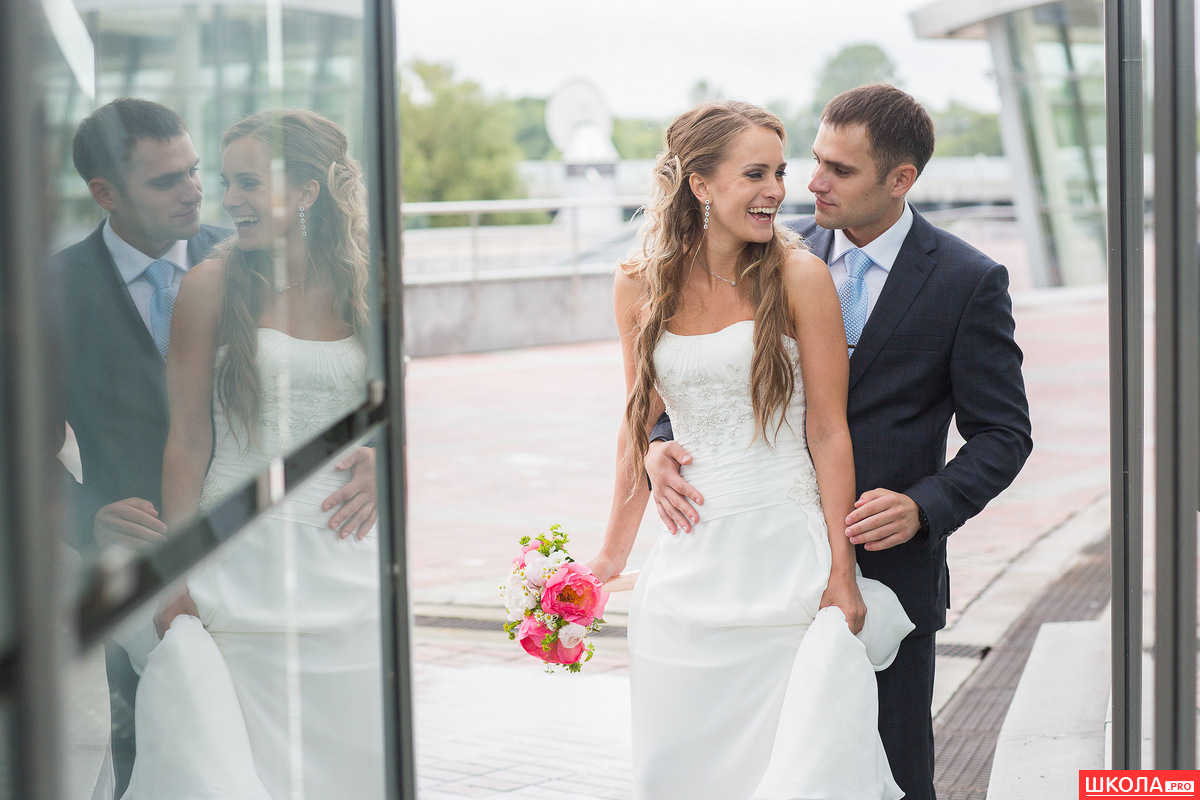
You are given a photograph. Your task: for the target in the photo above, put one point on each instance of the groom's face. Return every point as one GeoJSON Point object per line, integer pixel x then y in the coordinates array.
{"type": "Point", "coordinates": [849, 195]}
{"type": "Point", "coordinates": [159, 202]}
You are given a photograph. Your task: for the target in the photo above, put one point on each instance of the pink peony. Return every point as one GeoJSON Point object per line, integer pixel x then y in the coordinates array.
{"type": "Point", "coordinates": [574, 592]}
{"type": "Point", "coordinates": [531, 634]}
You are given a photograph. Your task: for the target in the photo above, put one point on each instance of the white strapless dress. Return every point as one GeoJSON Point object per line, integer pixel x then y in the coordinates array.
{"type": "Point", "coordinates": [293, 612]}
{"type": "Point", "coordinates": [740, 688]}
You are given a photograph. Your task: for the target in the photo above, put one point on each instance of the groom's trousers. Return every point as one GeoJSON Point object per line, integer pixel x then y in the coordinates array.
{"type": "Point", "coordinates": [906, 718]}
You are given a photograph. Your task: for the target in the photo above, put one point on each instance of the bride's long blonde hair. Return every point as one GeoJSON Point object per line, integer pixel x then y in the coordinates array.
{"type": "Point", "coordinates": [314, 148]}
{"type": "Point", "coordinates": [697, 142]}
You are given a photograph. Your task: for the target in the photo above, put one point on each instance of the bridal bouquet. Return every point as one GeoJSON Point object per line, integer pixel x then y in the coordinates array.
{"type": "Point", "coordinates": [553, 603]}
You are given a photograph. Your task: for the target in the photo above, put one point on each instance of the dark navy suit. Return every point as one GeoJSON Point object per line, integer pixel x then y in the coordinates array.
{"type": "Point", "coordinates": [116, 401]}
{"type": "Point", "coordinates": [938, 345]}
{"type": "Point", "coordinates": [116, 380]}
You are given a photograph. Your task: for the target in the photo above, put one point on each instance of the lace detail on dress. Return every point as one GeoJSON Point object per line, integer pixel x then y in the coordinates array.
{"type": "Point", "coordinates": [211, 493]}
{"type": "Point", "coordinates": [804, 491]}
{"type": "Point", "coordinates": [713, 409]}
{"type": "Point", "coordinates": [307, 385]}
{"type": "Point", "coordinates": [324, 397]}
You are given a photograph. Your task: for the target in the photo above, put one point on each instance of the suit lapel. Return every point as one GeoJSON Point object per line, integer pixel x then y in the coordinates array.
{"type": "Point", "coordinates": [909, 272]}
{"type": "Point", "coordinates": [820, 242]}
{"type": "Point", "coordinates": [108, 279]}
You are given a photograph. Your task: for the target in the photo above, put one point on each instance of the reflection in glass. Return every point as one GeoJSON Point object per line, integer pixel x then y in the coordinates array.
{"type": "Point", "coordinates": [270, 686]}
{"type": "Point", "coordinates": [214, 63]}
{"type": "Point", "coordinates": [269, 334]}
{"type": "Point", "coordinates": [88, 767]}
{"type": "Point", "coordinates": [286, 352]}
{"type": "Point", "coordinates": [280, 690]}
{"type": "Point", "coordinates": [1056, 53]}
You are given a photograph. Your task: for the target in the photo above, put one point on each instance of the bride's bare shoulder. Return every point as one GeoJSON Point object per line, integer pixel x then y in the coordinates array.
{"type": "Point", "coordinates": [630, 281]}
{"type": "Point", "coordinates": [802, 266]}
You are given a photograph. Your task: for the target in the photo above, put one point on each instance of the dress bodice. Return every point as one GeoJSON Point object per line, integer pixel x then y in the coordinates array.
{"type": "Point", "coordinates": [704, 381]}
{"type": "Point", "coordinates": [306, 385]}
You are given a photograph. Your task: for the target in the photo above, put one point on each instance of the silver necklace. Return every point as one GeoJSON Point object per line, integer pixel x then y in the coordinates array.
{"type": "Point", "coordinates": [710, 272]}
{"type": "Point", "coordinates": [291, 285]}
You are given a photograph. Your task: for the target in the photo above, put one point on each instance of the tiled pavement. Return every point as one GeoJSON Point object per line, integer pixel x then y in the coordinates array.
{"type": "Point", "coordinates": [505, 444]}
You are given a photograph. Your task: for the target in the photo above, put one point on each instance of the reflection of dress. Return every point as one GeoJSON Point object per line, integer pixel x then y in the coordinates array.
{"type": "Point", "coordinates": [727, 703]}
{"type": "Point", "coordinates": [293, 609]}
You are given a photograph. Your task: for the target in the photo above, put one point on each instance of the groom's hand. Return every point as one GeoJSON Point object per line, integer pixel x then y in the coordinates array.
{"type": "Point", "coordinates": [359, 498]}
{"type": "Point", "coordinates": [883, 519]}
{"type": "Point", "coordinates": [132, 522]}
{"type": "Point", "coordinates": [673, 496]}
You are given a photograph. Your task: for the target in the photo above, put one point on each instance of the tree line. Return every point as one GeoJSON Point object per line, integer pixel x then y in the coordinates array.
{"type": "Point", "coordinates": [459, 143]}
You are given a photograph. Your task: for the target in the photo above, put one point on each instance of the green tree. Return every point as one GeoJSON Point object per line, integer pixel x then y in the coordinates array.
{"type": "Point", "coordinates": [638, 138]}
{"type": "Point", "coordinates": [532, 137]}
{"type": "Point", "coordinates": [853, 65]}
{"type": "Point", "coordinates": [456, 142]}
{"type": "Point", "coordinates": [965, 131]}
{"type": "Point", "coordinates": [800, 124]}
{"type": "Point", "coordinates": [702, 91]}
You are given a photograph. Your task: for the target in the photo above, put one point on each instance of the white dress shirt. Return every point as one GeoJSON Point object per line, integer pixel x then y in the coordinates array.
{"type": "Point", "coordinates": [882, 250]}
{"type": "Point", "coordinates": [132, 263]}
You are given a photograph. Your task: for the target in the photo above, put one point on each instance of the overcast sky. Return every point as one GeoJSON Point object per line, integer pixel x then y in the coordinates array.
{"type": "Point", "coordinates": [645, 55]}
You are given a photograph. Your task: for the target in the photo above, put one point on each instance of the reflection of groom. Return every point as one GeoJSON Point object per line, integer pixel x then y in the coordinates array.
{"type": "Point", "coordinates": [937, 342]}
{"type": "Point", "coordinates": [140, 167]}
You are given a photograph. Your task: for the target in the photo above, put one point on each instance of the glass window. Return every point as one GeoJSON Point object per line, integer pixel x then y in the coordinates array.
{"type": "Point", "coordinates": [222, 363]}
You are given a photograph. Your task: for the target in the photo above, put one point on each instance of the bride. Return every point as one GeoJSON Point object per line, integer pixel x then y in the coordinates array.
{"type": "Point", "coordinates": [747, 678]}
{"type": "Point", "coordinates": [269, 337]}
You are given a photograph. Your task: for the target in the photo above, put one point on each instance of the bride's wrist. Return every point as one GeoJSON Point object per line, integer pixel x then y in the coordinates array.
{"type": "Point", "coordinates": [842, 574]}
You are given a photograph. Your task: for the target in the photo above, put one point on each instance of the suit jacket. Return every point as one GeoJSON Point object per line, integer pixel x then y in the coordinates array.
{"type": "Point", "coordinates": [938, 344]}
{"type": "Point", "coordinates": [116, 396]}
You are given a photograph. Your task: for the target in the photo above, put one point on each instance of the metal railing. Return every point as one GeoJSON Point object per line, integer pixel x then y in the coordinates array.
{"type": "Point", "coordinates": [580, 235]}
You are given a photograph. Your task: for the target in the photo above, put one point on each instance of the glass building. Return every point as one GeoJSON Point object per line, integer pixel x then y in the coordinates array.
{"type": "Point", "coordinates": [212, 62]}
{"type": "Point", "coordinates": [313, 178]}
{"type": "Point", "coordinates": [1049, 62]}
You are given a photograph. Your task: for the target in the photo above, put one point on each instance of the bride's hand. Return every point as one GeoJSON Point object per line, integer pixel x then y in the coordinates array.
{"type": "Point", "coordinates": [172, 606]}
{"type": "Point", "coordinates": [604, 568]}
{"type": "Point", "coordinates": [844, 594]}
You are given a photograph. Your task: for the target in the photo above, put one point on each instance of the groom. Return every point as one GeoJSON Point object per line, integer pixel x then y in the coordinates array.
{"type": "Point", "coordinates": [929, 329]}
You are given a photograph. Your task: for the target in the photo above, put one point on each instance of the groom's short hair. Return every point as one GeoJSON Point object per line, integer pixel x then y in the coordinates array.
{"type": "Point", "coordinates": [105, 140]}
{"type": "Point", "coordinates": [899, 128]}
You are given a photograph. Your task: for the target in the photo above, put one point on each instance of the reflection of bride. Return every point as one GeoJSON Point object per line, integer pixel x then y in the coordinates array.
{"type": "Point", "coordinates": [268, 335]}
{"type": "Point", "coordinates": [746, 678]}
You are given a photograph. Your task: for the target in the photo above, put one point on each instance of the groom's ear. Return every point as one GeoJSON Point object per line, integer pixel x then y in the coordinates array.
{"type": "Point", "coordinates": [901, 179]}
{"type": "Point", "coordinates": [698, 187]}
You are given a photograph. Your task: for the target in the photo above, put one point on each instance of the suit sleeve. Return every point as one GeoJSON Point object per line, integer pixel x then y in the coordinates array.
{"type": "Point", "coordinates": [662, 429]}
{"type": "Point", "coordinates": [990, 408]}
{"type": "Point", "coordinates": [82, 506]}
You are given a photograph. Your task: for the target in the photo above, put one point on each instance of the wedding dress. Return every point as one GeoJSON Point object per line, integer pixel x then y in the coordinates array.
{"type": "Point", "coordinates": [292, 609]}
{"type": "Point", "coordinates": [740, 688]}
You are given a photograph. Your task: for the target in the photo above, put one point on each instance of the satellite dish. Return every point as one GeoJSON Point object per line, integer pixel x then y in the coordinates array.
{"type": "Point", "coordinates": [575, 105]}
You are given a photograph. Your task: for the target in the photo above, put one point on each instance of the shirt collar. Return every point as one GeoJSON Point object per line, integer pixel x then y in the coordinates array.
{"type": "Point", "coordinates": [884, 248]}
{"type": "Point", "coordinates": [131, 262]}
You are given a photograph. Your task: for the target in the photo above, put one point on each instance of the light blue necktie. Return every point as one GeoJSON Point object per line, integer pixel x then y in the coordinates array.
{"type": "Point", "coordinates": [161, 275]}
{"type": "Point", "coordinates": [853, 294]}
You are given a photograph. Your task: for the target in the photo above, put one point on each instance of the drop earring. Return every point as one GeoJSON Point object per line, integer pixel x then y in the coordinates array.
{"type": "Point", "coordinates": [707, 205]}
{"type": "Point", "coordinates": [303, 226]}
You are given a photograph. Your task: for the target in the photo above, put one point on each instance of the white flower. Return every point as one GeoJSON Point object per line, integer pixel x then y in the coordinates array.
{"type": "Point", "coordinates": [571, 634]}
{"type": "Point", "coordinates": [540, 568]}
{"type": "Point", "coordinates": [535, 568]}
{"type": "Point", "coordinates": [518, 600]}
